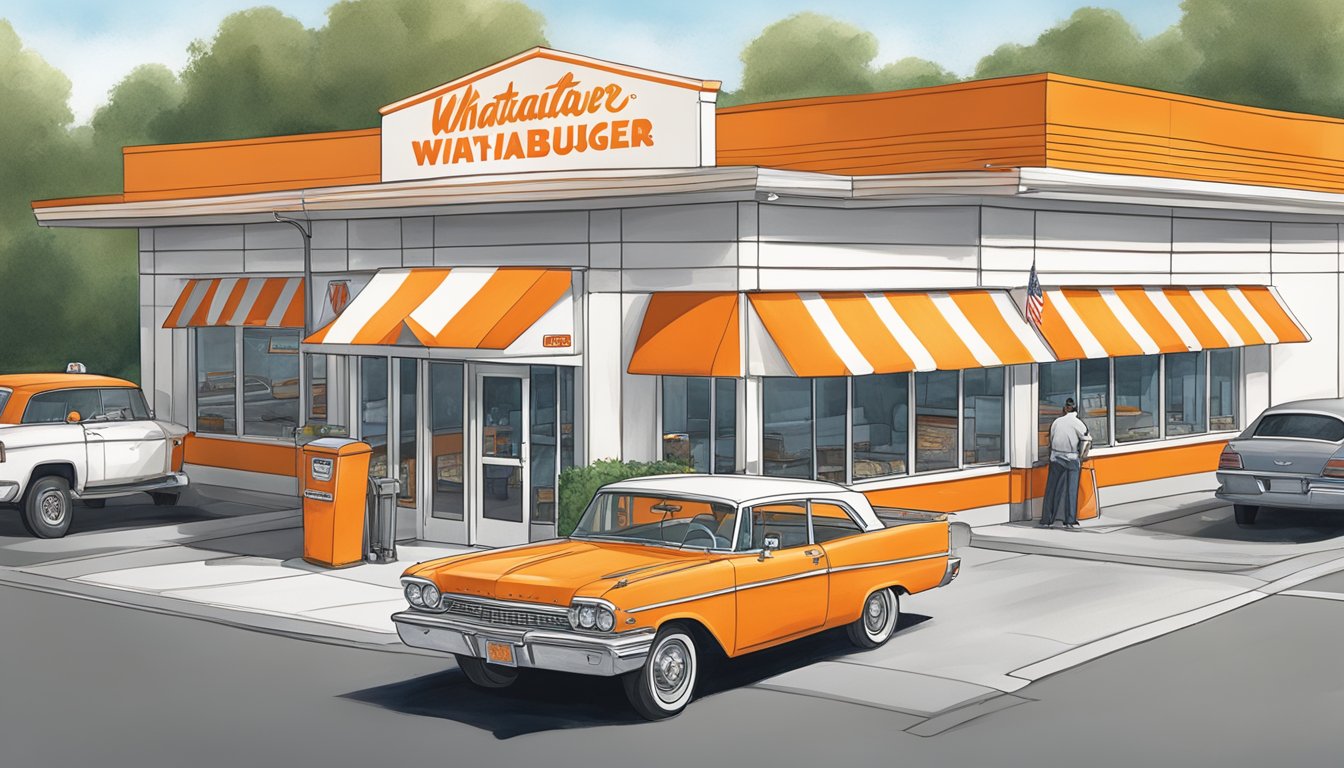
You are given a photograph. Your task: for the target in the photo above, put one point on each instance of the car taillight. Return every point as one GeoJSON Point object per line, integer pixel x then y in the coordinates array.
{"type": "Point", "coordinates": [1229, 459]}
{"type": "Point", "coordinates": [1334, 468]}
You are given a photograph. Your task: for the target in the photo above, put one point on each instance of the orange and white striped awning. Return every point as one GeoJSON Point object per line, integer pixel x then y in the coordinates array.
{"type": "Point", "coordinates": [459, 308]}
{"type": "Point", "coordinates": [1116, 322]}
{"type": "Point", "coordinates": [852, 333]}
{"type": "Point", "coordinates": [267, 302]}
{"type": "Point", "coordinates": [689, 333]}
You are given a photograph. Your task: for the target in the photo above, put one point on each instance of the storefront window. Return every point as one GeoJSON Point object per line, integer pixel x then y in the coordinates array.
{"type": "Point", "coordinates": [786, 443]}
{"type": "Point", "coordinates": [542, 456]}
{"type": "Point", "coordinates": [982, 416]}
{"type": "Point", "coordinates": [1186, 389]}
{"type": "Point", "coordinates": [1224, 375]}
{"type": "Point", "coordinates": [373, 411]}
{"type": "Point", "coordinates": [686, 421]}
{"type": "Point", "coordinates": [566, 376]}
{"type": "Point", "coordinates": [881, 416]}
{"type": "Point", "coordinates": [317, 388]}
{"type": "Point", "coordinates": [935, 420]}
{"type": "Point", "coordinates": [725, 426]}
{"type": "Point", "coordinates": [832, 407]}
{"type": "Point", "coordinates": [216, 381]}
{"type": "Point", "coordinates": [446, 430]}
{"type": "Point", "coordinates": [408, 432]}
{"type": "Point", "coordinates": [1094, 401]}
{"type": "Point", "coordinates": [1136, 394]}
{"type": "Point", "coordinates": [1058, 382]}
{"type": "Point", "coordinates": [270, 382]}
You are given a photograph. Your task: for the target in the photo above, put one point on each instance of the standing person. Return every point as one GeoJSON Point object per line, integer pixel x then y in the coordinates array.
{"type": "Point", "coordinates": [1067, 434]}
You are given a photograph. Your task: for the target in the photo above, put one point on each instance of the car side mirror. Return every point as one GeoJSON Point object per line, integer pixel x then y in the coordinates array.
{"type": "Point", "coordinates": [73, 417]}
{"type": "Point", "coordinates": [768, 545]}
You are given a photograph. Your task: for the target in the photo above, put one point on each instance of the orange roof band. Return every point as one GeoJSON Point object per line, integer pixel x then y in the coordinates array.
{"type": "Point", "coordinates": [1042, 120]}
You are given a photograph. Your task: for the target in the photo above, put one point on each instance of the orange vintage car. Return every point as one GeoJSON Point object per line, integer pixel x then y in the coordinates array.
{"type": "Point", "coordinates": [662, 570]}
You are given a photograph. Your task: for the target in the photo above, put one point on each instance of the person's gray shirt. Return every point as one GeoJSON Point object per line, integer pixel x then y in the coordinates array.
{"type": "Point", "coordinates": [1066, 437]}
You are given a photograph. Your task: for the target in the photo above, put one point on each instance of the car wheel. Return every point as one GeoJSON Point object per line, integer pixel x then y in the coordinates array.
{"type": "Point", "coordinates": [881, 614]}
{"type": "Point", "coordinates": [1245, 513]}
{"type": "Point", "coordinates": [94, 503]}
{"type": "Point", "coordinates": [665, 684]}
{"type": "Point", "coordinates": [487, 675]}
{"type": "Point", "coordinates": [47, 507]}
{"type": "Point", "coordinates": [164, 499]}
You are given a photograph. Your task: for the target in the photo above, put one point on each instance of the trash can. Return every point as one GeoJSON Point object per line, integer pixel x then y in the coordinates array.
{"type": "Point", "coordinates": [383, 529]}
{"type": "Point", "coordinates": [334, 475]}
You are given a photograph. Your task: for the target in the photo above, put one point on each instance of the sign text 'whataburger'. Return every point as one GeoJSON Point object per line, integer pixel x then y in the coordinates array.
{"type": "Point", "coordinates": [469, 128]}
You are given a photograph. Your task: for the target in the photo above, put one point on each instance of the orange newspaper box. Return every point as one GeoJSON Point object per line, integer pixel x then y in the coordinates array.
{"type": "Point", "coordinates": [335, 476]}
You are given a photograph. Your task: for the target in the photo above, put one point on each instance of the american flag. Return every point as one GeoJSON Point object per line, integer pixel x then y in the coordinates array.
{"type": "Point", "coordinates": [1035, 298]}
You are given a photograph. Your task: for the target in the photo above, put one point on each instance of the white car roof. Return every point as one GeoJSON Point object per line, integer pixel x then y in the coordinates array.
{"type": "Point", "coordinates": [744, 489]}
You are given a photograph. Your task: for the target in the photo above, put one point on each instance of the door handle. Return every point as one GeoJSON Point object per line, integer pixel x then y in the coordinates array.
{"type": "Point", "coordinates": [815, 554]}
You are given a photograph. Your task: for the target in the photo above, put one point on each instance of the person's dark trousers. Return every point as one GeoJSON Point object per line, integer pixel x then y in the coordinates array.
{"type": "Point", "coordinates": [1061, 492]}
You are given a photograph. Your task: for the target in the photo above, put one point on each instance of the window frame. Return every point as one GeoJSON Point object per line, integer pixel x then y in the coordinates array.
{"type": "Point", "coordinates": [239, 433]}
{"type": "Point", "coordinates": [849, 513]}
{"type": "Point", "coordinates": [750, 508]}
{"type": "Point", "coordinates": [28, 405]}
{"type": "Point", "coordinates": [711, 459]}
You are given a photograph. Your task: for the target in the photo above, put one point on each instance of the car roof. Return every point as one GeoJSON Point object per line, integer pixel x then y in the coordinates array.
{"type": "Point", "coordinates": [733, 488]}
{"type": "Point", "coordinates": [45, 381]}
{"type": "Point", "coordinates": [1330, 405]}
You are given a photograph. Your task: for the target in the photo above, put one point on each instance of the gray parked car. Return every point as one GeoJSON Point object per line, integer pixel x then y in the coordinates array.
{"type": "Point", "coordinates": [1292, 457]}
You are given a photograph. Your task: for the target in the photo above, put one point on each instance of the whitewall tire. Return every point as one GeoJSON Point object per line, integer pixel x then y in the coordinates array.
{"type": "Point", "coordinates": [666, 683]}
{"type": "Point", "coordinates": [877, 623]}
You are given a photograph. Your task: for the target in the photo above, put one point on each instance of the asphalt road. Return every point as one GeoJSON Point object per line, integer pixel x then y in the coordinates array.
{"type": "Point", "coordinates": [84, 683]}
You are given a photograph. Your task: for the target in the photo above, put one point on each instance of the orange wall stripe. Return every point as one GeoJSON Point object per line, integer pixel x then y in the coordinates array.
{"type": "Point", "coordinates": [1273, 313]}
{"type": "Point", "coordinates": [1102, 322]}
{"type": "Point", "coordinates": [1220, 298]}
{"type": "Point", "coordinates": [983, 313]}
{"type": "Point", "coordinates": [231, 303]}
{"type": "Point", "coordinates": [1148, 315]}
{"type": "Point", "coordinates": [266, 458]}
{"type": "Point", "coordinates": [795, 333]}
{"type": "Point", "coordinates": [947, 496]}
{"type": "Point", "coordinates": [544, 293]}
{"type": "Point", "coordinates": [175, 317]}
{"type": "Point", "coordinates": [1058, 335]}
{"type": "Point", "coordinates": [293, 317]}
{"type": "Point", "coordinates": [862, 324]}
{"type": "Point", "coordinates": [1200, 325]}
{"type": "Point", "coordinates": [943, 343]}
{"type": "Point", "coordinates": [505, 289]}
{"type": "Point", "coordinates": [675, 328]}
{"type": "Point", "coordinates": [203, 311]}
{"type": "Point", "coordinates": [385, 324]}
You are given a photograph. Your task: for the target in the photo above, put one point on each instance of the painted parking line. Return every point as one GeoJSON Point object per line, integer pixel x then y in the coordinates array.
{"type": "Point", "coordinates": [1313, 593]}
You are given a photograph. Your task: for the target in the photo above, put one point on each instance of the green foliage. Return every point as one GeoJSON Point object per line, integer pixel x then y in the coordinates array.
{"type": "Point", "coordinates": [808, 54]}
{"type": "Point", "coordinates": [578, 485]}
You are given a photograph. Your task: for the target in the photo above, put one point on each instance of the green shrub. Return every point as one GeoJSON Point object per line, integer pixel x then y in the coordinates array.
{"type": "Point", "coordinates": [578, 485]}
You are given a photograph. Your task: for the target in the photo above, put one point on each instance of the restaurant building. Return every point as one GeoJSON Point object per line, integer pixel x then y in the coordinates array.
{"type": "Point", "coordinates": [558, 259]}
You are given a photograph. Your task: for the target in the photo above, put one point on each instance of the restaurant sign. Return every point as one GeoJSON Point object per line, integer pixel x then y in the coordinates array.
{"type": "Point", "coordinates": [544, 110]}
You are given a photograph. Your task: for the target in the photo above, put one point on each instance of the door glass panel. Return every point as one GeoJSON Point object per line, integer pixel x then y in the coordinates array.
{"type": "Point", "coordinates": [373, 411]}
{"type": "Point", "coordinates": [502, 498]}
{"type": "Point", "coordinates": [446, 430]}
{"type": "Point", "coordinates": [787, 521]}
{"type": "Point", "coordinates": [407, 433]}
{"type": "Point", "coordinates": [542, 435]}
{"type": "Point", "coordinates": [502, 417]}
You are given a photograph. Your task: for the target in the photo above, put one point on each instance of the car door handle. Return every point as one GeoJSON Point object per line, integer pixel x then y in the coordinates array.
{"type": "Point", "coordinates": [815, 554]}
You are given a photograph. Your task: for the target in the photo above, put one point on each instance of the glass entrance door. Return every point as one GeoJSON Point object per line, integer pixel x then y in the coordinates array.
{"type": "Point", "coordinates": [502, 480]}
{"type": "Point", "coordinates": [445, 514]}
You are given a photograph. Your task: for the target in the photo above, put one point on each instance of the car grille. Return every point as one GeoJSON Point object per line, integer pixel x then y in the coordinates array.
{"type": "Point", "coordinates": [512, 617]}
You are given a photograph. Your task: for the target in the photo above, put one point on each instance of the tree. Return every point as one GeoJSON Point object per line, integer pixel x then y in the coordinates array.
{"type": "Point", "coordinates": [1101, 45]}
{"type": "Point", "coordinates": [812, 55]}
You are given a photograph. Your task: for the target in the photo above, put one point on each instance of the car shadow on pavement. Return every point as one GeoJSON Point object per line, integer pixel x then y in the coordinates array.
{"type": "Point", "coordinates": [90, 520]}
{"type": "Point", "coordinates": [1272, 526]}
{"type": "Point", "coordinates": [547, 701]}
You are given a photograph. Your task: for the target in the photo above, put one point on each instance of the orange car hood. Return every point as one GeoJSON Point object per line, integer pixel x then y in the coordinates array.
{"type": "Point", "coordinates": [552, 571]}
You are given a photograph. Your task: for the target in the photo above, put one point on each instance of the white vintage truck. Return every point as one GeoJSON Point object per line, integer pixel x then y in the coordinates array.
{"type": "Point", "coordinates": [74, 436]}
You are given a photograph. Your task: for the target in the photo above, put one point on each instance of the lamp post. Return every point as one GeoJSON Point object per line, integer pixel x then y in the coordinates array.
{"type": "Point", "coordinates": [307, 269]}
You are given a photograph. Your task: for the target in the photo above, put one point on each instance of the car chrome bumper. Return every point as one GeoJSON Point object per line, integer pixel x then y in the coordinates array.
{"type": "Point", "coordinates": [532, 648]}
{"type": "Point", "coordinates": [952, 572]}
{"type": "Point", "coordinates": [1258, 489]}
{"type": "Point", "coordinates": [8, 491]}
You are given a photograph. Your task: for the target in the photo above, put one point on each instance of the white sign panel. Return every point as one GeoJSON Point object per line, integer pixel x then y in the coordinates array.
{"type": "Point", "coordinates": [549, 111]}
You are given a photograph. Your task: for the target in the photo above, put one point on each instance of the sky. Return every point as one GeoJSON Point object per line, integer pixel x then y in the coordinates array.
{"type": "Point", "coordinates": [97, 42]}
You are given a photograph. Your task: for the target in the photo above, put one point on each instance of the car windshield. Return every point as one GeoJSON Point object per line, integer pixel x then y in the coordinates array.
{"type": "Point", "coordinates": [659, 520]}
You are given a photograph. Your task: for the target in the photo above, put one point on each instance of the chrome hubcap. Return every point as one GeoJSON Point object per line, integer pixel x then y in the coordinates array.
{"type": "Point", "coordinates": [877, 614]}
{"type": "Point", "coordinates": [671, 665]}
{"type": "Point", "coordinates": [52, 507]}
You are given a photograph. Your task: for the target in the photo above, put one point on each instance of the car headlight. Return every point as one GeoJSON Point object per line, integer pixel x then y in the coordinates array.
{"type": "Point", "coordinates": [414, 595]}
{"type": "Point", "coordinates": [429, 595]}
{"type": "Point", "coordinates": [592, 616]}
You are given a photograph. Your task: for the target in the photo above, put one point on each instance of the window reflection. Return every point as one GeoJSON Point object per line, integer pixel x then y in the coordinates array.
{"type": "Point", "coordinates": [216, 381]}
{"type": "Point", "coordinates": [270, 382]}
{"type": "Point", "coordinates": [1136, 396]}
{"type": "Point", "coordinates": [832, 408]}
{"type": "Point", "coordinates": [446, 430]}
{"type": "Point", "coordinates": [982, 416]}
{"type": "Point", "coordinates": [935, 420]}
{"type": "Point", "coordinates": [373, 411]}
{"type": "Point", "coordinates": [786, 442]}
{"type": "Point", "coordinates": [1186, 389]}
{"type": "Point", "coordinates": [881, 417]}
{"type": "Point", "coordinates": [1057, 383]}
{"type": "Point", "coordinates": [1224, 376]}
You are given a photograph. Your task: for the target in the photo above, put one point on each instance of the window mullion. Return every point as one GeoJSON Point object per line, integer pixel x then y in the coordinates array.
{"type": "Point", "coordinates": [239, 383]}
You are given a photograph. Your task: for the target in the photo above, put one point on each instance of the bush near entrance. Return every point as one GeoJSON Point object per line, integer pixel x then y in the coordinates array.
{"type": "Point", "coordinates": [578, 485]}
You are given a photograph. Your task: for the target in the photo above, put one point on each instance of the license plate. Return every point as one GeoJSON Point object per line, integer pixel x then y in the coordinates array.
{"type": "Point", "coordinates": [499, 653]}
{"type": "Point", "coordinates": [1285, 485]}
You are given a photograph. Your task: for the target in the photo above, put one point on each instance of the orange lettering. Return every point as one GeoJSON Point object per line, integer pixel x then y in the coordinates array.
{"type": "Point", "coordinates": [514, 148]}
{"type": "Point", "coordinates": [426, 150]}
{"type": "Point", "coordinates": [597, 136]}
{"type": "Point", "coordinates": [538, 143]}
{"type": "Point", "coordinates": [641, 133]}
{"type": "Point", "coordinates": [619, 137]}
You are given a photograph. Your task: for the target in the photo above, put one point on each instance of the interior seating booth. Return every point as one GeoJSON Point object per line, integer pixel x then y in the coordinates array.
{"type": "Point", "coordinates": [558, 260]}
